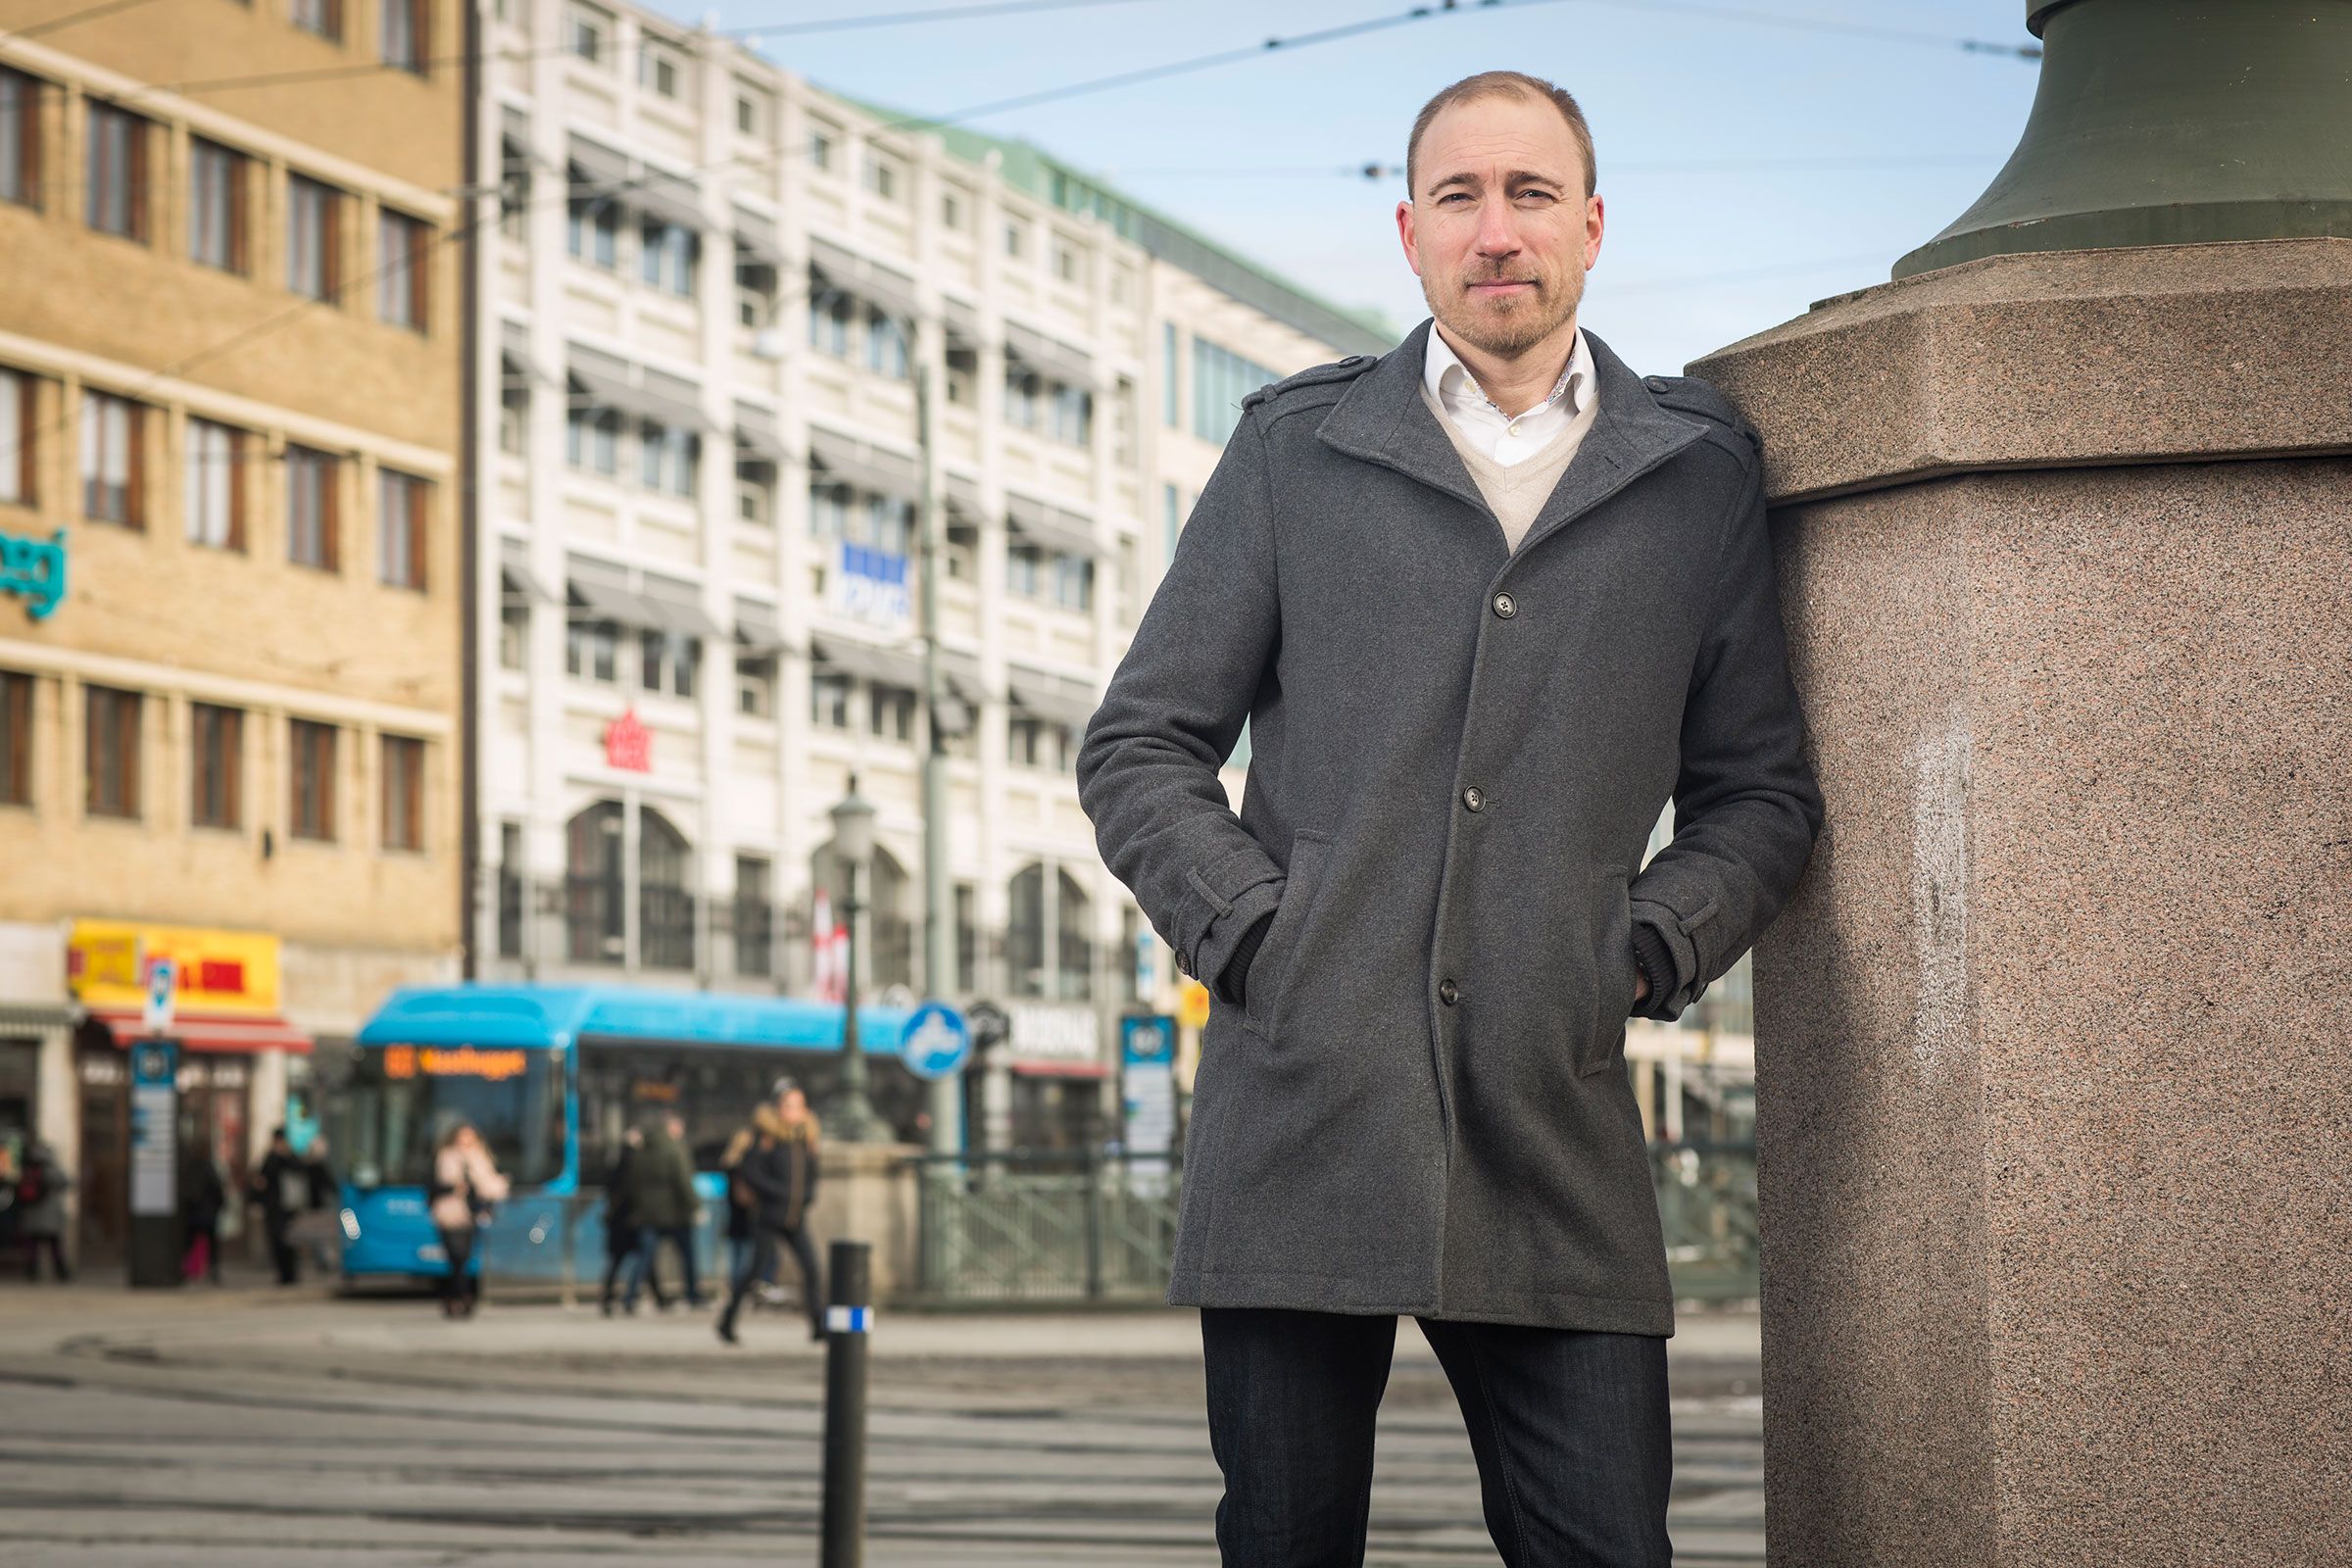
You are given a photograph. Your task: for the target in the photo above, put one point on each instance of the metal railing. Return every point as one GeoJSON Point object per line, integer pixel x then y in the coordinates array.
{"type": "Point", "coordinates": [1025, 1227]}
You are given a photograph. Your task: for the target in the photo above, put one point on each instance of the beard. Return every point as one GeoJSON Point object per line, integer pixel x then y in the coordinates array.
{"type": "Point", "coordinates": [1509, 327]}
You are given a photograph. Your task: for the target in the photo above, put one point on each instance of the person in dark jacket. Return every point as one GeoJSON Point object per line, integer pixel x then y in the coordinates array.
{"type": "Point", "coordinates": [620, 1220]}
{"type": "Point", "coordinates": [203, 1195]}
{"type": "Point", "coordinates": [41, 1188]}
{"type": "Point", "coordinates": [661, 1198]}
{"type": "Point", "coordinates": [282, 1187]}
{"type": "Point", "coordinates": [779, 1172]}
{"type": "Point", "coordinates": [1427, 925]}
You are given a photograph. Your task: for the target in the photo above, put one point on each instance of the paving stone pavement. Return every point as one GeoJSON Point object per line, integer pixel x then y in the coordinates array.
{"type": "Point", "coordinates": [265, 1429]}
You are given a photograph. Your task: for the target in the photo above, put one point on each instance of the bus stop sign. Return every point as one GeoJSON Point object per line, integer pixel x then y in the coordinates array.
{"type": "Point", "coordinates": [937, 1041]}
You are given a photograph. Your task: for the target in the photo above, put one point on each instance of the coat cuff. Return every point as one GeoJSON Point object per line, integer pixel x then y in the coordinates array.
{"type": "Point", "coordinates": [1232, 982]}
{"type": "Point", "coordinates": [1658, 964]}
{"type": "Point", "coordinates": [1227, 897]}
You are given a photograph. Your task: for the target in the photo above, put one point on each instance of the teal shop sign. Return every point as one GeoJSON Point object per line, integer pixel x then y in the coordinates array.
{"type": "Point", "coordinates": [33, 570]}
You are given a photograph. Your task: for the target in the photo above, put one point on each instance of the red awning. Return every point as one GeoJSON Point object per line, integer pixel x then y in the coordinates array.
{"type": "Point", "coordinates": [200, 1031]}
{"type": "Point", "coordinates": [1059, 1069]}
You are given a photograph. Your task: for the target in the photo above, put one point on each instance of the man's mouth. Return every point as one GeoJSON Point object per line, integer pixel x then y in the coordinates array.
{"type": "Point", "coordinates": [1493, 286]}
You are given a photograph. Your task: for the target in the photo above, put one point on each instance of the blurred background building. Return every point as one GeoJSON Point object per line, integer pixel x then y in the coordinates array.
{"type": "Point", "coordinates": [229, 664]}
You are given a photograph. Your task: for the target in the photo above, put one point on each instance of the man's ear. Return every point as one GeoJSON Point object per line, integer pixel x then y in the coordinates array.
{"type": "Point", "coordinates": [1404, 235]}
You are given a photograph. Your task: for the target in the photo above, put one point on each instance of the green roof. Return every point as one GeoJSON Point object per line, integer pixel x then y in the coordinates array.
{"type": "Point", "coordinates": [1049, 179]}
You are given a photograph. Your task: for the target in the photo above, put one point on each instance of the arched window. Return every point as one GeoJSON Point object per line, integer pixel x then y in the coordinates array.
{"type": "Point", "coordinates": [593, 910]}
{"type": "Point", "coordinates": [665, 906]}
{"type": "Point", "coordinates": [1074, 918]}
{"type": "Point", "coordinates": [892, 917]}
{"type": "Point", "coordinates": [1025, 933]}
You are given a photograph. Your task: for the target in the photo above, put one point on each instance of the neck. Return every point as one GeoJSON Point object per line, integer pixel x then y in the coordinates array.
{"type": "Point", "coordinates": [1517, 384]}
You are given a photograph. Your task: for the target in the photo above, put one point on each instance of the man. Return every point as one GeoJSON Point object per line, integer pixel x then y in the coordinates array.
{"type": "Point", "coordinates": [282, 1187]}
{"type": "Point", "coordinates": [620, 1220]}
{"type": "Point", "coordinates": [1489, 602]}
{"type": "Point", "coordinates": [778, 1174]}
{"type": "Point", "coordinates": [662, 1200]}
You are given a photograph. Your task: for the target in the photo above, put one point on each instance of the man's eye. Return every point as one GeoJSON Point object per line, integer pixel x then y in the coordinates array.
{"type": "Point", "coordinates": [1540, 195]}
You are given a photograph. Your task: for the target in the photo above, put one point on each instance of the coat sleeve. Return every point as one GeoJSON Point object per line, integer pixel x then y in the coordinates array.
{"type": "Point", "coordinates": [1746, 808]}
{"type": "Point", "coordinates": [1147, 767]}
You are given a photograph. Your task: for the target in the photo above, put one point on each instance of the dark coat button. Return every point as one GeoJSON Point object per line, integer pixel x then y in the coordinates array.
{"type": "Point", "coordinates": [1448, 993]}
{"type": "Point", "coordinates": [1505, 606]}
{"type": "Point", "coordinates": [1474, 798]}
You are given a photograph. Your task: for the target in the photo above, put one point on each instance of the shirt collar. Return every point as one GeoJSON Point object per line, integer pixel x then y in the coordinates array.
{"type": "Point", "coordinates": [1450, 382]}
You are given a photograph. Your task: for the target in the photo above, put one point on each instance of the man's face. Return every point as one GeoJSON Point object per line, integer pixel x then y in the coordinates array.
{"type": "Point", "coordinates": [1499, 228]}
{"type": "Point", "coordinates": [793, 1103]}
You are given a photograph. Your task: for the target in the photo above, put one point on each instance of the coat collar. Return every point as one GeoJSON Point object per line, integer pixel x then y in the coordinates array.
{"type": "Point", "coordinates": [1381, 419]}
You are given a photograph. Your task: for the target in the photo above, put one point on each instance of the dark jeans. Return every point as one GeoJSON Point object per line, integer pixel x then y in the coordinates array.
{"type": "Point", "coordinates": [57, 1257]}
{"type": "Point", "coordinates": [462, 1287]}
{"type": "Point", "coordinates": [1569, 1430]}
{"type": "Point", "coordinates": [648, 1243]}
{"type": "Point", "coordinates": [621, 1245]}
{"type": "Point", "coordinates": [761, 1263]}
{"type": "Point", "coordinates": [283, 1253]}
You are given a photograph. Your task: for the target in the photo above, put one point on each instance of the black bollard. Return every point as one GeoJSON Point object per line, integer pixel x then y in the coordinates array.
{"type": "Point", "coordinates": [847, 1321]}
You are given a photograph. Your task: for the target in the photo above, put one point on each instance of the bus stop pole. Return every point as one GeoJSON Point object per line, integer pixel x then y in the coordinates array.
{"type": "Point", "coordinates": [846, 1323]}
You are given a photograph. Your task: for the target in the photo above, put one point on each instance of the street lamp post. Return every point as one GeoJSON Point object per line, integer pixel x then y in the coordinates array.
{"type": "Point", "coordinates": [852, 1113]}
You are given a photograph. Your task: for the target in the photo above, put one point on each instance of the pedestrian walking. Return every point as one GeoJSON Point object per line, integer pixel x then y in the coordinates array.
{"type": "Point", "coordinates": [779, 1171]}
{"type": "Point", "coordinates": [316, 1229]}
{"type": "Point", "coordinates": [620, 1220]}
{"type": "Point", "coordinates": [1427, 925]}
{"type": "Point", "coordinates": [281, 1188]}
{"type": "Point", "coordinates": [203, 1197]}
{"type": "Point", "coordinates": [466, 1185]}
{"type": "Point", "coordinates": [41, 1188]}
{"type": "Point", "coordinates": [662, 1199]}
{"type": "Point", "coordinates": [741, 1202]}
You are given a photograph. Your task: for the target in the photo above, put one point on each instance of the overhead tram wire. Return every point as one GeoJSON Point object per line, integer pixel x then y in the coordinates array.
{"type": "Point", "coordinates": [358, 285]}
{"type": "Point", "coordinates": [85, 14]}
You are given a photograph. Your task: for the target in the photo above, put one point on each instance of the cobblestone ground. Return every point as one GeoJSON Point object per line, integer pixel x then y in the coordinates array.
{"type": "Point", "coordinates": [254, 1427]}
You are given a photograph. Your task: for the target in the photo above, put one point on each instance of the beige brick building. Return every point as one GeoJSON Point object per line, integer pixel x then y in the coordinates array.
{"type": "Point", "coordinates": [229, 336]}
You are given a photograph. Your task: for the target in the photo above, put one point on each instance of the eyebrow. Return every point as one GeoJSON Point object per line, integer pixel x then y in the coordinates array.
{"type": "Point", "coordinates": [1517, 177]}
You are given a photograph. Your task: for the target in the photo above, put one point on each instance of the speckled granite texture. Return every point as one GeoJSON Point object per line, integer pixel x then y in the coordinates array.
{"type": "Point", "coordinates": [2055, 1039]}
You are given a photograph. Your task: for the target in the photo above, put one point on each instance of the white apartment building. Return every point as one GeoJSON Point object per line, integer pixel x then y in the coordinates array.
{"type": "Point", "coordinates": [703, 307]}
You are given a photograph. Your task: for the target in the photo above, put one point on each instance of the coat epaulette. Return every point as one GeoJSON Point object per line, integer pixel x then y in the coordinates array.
{"type": "Point", "coordinates": [1686, 394]}
{"type": "Point", "coordinates": [1347, 370]}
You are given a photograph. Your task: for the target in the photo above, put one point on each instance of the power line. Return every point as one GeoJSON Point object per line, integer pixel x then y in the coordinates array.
{"type": "Point", "coordinates": [1827, 24]}
{"type": "Point", "coordinates": [1378, 171]}
{"type": "Point", "coordinates": [85, 14]}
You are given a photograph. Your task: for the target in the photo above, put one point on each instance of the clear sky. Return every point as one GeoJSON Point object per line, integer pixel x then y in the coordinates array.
{"type": "Point", "coordinates": [1857, 147]}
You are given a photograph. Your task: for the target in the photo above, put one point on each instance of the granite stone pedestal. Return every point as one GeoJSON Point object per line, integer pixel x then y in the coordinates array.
{"type": "Point", "coordinates": [2054, 1043]}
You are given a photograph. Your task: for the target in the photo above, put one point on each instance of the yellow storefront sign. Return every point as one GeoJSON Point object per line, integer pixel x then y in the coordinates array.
{"type": "Point", "coordinates": [219, 971]}
{"type": "Point", "coordinates": [1192, 1007]}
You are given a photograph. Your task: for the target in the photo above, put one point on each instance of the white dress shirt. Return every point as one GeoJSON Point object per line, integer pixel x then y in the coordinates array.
{"type": "Point", "coordinates": [1487, 428]}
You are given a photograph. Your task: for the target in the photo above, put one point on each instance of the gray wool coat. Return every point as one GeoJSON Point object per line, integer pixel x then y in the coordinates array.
{"type": "Point", "coordinates": [1457, 755]}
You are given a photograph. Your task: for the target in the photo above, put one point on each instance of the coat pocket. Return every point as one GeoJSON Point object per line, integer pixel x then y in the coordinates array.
{"type": "Point", "coordinates": [1613, 971]}
{"type": "Point", "coordinates": [1269, 974]}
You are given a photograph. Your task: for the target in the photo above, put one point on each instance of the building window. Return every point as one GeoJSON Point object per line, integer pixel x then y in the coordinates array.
{"type": "Point", "coordinates": [401, 247]}
{"type": "Point", "coordinates": [514, 418]}
{"type": "Point", "coordinates": [592, 440]}
{"type": "Point", "coordinates": [111, 747]}
{"type": "Point", "coordinates": [1066, 261]}
{"type": "Point", "coordinates": [1016, 240]}
{"type": "Point", "coordinates": [117, 185]}
{"type": "Point", "coordinates": [885, 346]}
{"type": "Point", "coordinates": [829, 317]}
{"type": "Point", "coordinates": [591, 648]}
{"type": "Point", "coordinates": [890, 713]}
{"type": "Point", "coordinates": [113, 459]}
{"type": "Point", "coordinates": [1220, 380]}
{"type": "Point", "coordinates": [399, 528]}
{"type": "Point", "coordinates": [1167, 369]}
{"type": "Point", "coordinates": [669, 254]}
{"type": "Point", "coordinates": [756, 685]}
{"type": "Point", "coordinates": [510, 867]}
{"type": "Point", "coordinates": [216, 485]}
{"type": "Point", "coordinates": [829, 700]}
{"type": "Point", "coordinates": [16, 465]}
{"type": "Point", "coordinates": [513, 629]}
{"type": "Point", "coordinates": [950, 210]}
{"type": "Point", "coordinates": [592, 225]}
{"type": "Point", "coordinates": [310, 510]}
{"type": "Point", "coordinates": [658, 71]}
{"type": "Point", "coordinates": [216, 781]}
{"type": "Point", "coordinates": [747, 116]}
{"type": "Point", "coordinates": [20, 138]}
{"type": "Point", "coordinates": [668, 459]}
{"type": "Point", "coordinates": [1021, 390]}
{"type": "Point", "coordinates": [322, 16]}
{"type": "Point", "coordinates": [1037, 742]}
{"type": "Point", "coordinates": [405, 29]}
{"type": "Point", "coordinates": [754, 915]}
{"type": "Point", "coordinates": [1022, 568]}
{"type": "Point", "coordinates": [312, 814]}
{"type": "Point", "coordinates": [821, 140]}
{"type": "Point", "coordinates": [882, 176]}
{"type": "Point", "coordinates": [404, 793]}
{"type": "Point", "coordinates": [217, 185]}
{"type": "Point", "coordinates": [1073, 582]}
{"type": "Point", "coordinates": [585, 32]}
{"type": "Point", "coordinates": [751, 502]}
{"type": "Point", "coordinates": [314, 262]}
{"type": "Point", "coordinates": [1073, 418]}
{"type": "Point", "coordinates": [667, 663]}
{"type": "Point", "coordinates": [16, 738]}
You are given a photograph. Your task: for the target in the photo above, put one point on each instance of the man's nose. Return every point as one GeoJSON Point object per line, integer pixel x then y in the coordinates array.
{"type": "Point", "coordinates": [1498, 228]}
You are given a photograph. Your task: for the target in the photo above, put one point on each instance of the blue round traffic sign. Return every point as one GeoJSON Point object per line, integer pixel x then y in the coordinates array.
{"type": "Point", "coordinates": [936, 1041]}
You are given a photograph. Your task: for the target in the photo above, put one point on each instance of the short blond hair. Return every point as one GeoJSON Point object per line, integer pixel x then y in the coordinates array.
{"type": "Point", "coordinates": [1502, 85]}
